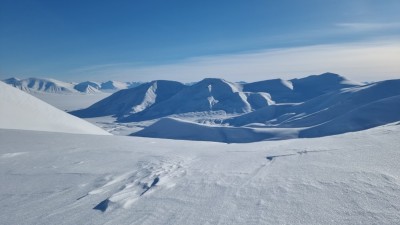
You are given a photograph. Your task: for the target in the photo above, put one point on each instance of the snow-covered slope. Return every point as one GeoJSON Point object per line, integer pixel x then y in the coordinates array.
{"type": "Point", "coordinates": [327, 107]}
{"type": "Point", "coordinates": [214, 94]}
{"type": "Point", "coordinates": [88, 87]}
{"type": "Point", "coordinates": [66, 179]}
{"type": "Point", "coordinates": [114, 85]}
{"type": "Point", "coordinates": [302, 89]}
{"type": "Point", "coordinates": [210, 94]}
{"type": "Point", "coordinates": [172, 128]}
{"type": "Point", "coordinates": [133, 100]}
{"type": "Point", "coordinates": [41, 85]}
{"type": "Point", "coordinates": [19, 110]}
{"type": "Point", "coordinates": [346, 110]}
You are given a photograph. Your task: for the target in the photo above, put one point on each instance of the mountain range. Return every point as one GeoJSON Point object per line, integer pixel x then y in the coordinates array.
{"type": "Point", "coordinates": [47, 85]}
{"type": "Point", "coordinates": [313, 106]}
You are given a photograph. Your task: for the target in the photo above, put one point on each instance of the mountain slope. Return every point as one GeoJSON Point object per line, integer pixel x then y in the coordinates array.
{"type": "Point", "coordinates": [19, 110]}
{"type": "Point", "coordinates": [337, 112]}
{"type": "Point", "coordinates": [88, 87]}
{"type": "Point", "coordinates": [210, 94]}
{"type": "Point", "coordinates": [302, 89]}
{"type": "Point", "coordinates": [41, 85]}
{"type": "Point", "coordinates": [322, 108]}
{"type": "Point", "coordinates": [133, 100]}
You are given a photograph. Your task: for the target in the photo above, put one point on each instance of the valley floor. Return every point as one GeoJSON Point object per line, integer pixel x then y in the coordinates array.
{"type": "Point", "coordinates": [50, 178]}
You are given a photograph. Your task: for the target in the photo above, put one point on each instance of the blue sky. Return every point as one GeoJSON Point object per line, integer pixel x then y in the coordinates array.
{"type": "Point", "coordinates": [185, 40]}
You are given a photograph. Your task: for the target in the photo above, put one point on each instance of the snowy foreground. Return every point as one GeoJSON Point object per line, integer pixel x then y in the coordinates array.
{"type": "Point", "coordinates": [56, 178]}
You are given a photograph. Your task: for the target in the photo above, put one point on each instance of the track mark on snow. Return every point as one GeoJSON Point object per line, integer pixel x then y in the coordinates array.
{"type": "Point", "coordinates": [272, 157]}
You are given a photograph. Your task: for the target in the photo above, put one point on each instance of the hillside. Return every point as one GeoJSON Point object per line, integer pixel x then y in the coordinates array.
{"type": "Point", "coordinates": [21, 111]}
{"type": "Point", "coordinates": [210, 94]}
{"type": "Point", "coordinates": [41, 85]}
{"type": "Point", "coordinates": [346, 110]}
{"type": "Point", "coordinates": [133, 100]}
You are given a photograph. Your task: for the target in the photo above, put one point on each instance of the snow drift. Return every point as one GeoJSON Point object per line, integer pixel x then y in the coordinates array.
{"type": "Point", "coordinates": [19, 110]}
{"type": "Point", "coordinates": [171, 128]}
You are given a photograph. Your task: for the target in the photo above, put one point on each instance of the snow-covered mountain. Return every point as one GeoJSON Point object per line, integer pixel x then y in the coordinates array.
{"type": "Point", "coordinates": [325, 107]}
{"type": "Point", "coordinates": [345, 110]}
{"type": "Point", "coordinates": [133, 100]}
{"type": "Point", "coordinates": [45, 85]}
{"type": "Point", "coordinates": [302, 89]}
{"type": "Point", "coordinates": [88, 87]}
{"type": "Point", "coordinates": [21, 111]}
{"type": "Point", "coordinates": [41, 85]}
{"type": "Point", "coordinates": [214, 94]}
{"type": "Point", "coordinates": [207, 95]}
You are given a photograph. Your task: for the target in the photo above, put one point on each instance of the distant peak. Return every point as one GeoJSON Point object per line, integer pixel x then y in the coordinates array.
{"type": "Point", "coordinates": [329, 74]}
{"type": "Point", "coordinates": [12, 79]}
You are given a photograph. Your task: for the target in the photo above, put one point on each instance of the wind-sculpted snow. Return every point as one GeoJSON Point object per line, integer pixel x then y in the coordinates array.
{"type": "Point", "coordinates": [68, 179]}
{"type": "Point", "coordinates": [19, 110]}
{"type": "Point", "coordinates": [183, 130]}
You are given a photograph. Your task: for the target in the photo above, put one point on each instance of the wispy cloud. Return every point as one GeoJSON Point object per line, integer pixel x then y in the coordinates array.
{"type": "Point", "coordinates": [374, 60]}
{"type": "Point", "coordinates": [369, 26]}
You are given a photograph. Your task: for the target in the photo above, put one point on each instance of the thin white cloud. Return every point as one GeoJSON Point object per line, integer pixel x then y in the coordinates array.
{"type": "Point", "coordinates": [366, 61]}
{"type": "Point", "coordinates": [368, 26]}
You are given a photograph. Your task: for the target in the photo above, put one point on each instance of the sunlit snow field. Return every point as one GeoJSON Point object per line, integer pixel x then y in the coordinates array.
{"type": "Point", "coordinates": [50, 178]}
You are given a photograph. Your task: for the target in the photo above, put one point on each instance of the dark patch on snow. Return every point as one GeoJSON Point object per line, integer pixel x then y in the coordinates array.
{"type": "Point", "coordinates": [102, 206]}
{"type": "Point", "coordinates": [155, 181]}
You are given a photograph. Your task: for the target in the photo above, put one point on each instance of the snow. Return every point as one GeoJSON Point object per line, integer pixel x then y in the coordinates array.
{"type": "Point", "coordinates": [89, 87]}
{"type": "Point", "coordinates": [53, 172]}
{"type": "Point", "coordinates": [19, 110]}
{"type": "Point", "coordinates": [70, 102]}
{"type": "Point", "coordinates": [210, 94]}
{"type": "Point", "coordinates": [41, 85]}
{"type": "Point", "coordinates": [345, 110]}
{"type": "Point", "coordinates": [126, 102]}
{"type": "Point", "coordinates": [46, 85]}
{"type": "Point", "coordinates": [56, 178]}
{"type": "Point", "coordinates": [173, 128]}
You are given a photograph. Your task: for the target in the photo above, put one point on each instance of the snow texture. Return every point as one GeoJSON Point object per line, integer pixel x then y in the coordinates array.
{"type": "Point", "coordinates": [55, 178]}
